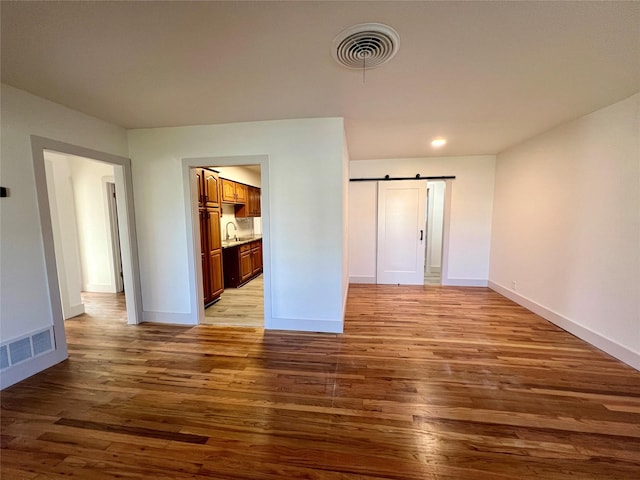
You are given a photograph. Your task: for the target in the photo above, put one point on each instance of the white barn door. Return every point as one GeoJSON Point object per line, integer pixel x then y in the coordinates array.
{"type": "Point", "coordinates": [401, 232]}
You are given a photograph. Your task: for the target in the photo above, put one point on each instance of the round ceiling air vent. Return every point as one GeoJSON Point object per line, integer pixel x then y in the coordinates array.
{"type": "Point", "coordinates": [365, 46]}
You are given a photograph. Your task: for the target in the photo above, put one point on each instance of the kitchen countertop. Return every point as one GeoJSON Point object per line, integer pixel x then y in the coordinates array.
{"type": "Point", "coordinates": [240, 241]}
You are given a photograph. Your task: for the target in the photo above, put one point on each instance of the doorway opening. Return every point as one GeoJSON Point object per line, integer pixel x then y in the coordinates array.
{"type": "Point", "coordinates": [76, 210]}
{"type": "Point", "coordinates": [86, 237]}
{"type": "Point", "coordinates": [228, 207]}
{"type": "Point", "coordinates": [231, 244]}
{"type": "Point", "coordinates": [435, 232]}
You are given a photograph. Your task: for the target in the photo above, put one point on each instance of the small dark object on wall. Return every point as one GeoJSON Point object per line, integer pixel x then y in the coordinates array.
{"type": "Point", "coordinates": [4, 192]}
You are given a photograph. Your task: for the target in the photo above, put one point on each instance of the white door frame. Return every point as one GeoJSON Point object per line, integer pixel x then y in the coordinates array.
{"type": "Point", "coordinates": [196, 293]}
{"type": "Point", "coordinates": [427, 257]}
{"type": "Point", "coordinates": [126, 217]}
{"type": "Point", "coordinates": [431, 213]}
{"type": "Point", "coordinates": [114, 233]}
{"type": "Point", "coordinates": [446, 221]}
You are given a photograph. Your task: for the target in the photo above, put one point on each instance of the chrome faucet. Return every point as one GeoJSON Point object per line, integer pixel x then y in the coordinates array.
{"type": "Point", "coordinates": [234, 230]}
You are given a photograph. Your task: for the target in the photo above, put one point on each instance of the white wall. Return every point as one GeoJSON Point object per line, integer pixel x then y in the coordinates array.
{"type": "Point", "coordinates": [248, 176]}
{"type": "Point", "coordinates": [363, 231]}
{"type": "Point", "coordinates": [305, 244]}
{"type": "Point", "coordinates": [25, 305]}
{"type": "Point", "coordinates": [89, 179]}
{"type": "Point", "coordinates": [470, 214]}
{"type": "Point", "coordinates": [65, 233]}
{"type": "Point", "coordinates": [566, 227]}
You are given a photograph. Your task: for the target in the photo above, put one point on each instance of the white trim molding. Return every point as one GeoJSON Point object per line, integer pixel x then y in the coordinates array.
{"type": "Point", "coordinates": [605, 344]}
{"type": "Point", "coordinates": [75, 310]}
{"type": "Point", "coordinates": [306, 325]}
{"type": "Point", "coordinates": [464, 282]}
{"type": "Point", "coordinates": [169, 318]}
{"type": "Point", "coordinates": [99, 288]}
{"type": "Point", "coordinates": [362, 279]}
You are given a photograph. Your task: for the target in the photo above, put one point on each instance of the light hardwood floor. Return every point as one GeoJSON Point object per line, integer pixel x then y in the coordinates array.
{"type": "Point", "coordinates": [242, 306]}
{"type": "Point", "coordinates": [425, 383]}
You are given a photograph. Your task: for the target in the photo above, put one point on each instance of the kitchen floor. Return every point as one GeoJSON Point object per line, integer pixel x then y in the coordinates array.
{"type": "Point", "coordinates": [242, 306]}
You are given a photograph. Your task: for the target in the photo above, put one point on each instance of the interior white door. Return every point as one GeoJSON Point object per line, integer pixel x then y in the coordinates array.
{"type": "Point", "coordinates": [115, 237]}
{"type": "Point", "coordinates": [401, 232]}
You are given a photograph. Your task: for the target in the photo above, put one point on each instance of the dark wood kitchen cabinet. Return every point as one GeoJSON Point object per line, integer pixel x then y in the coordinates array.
{"type": "Point", "coordinates": [256, 257]}
{"type": "Point", "coordinates": [210, 238]}
{"type": "Point", "coordinates": [211, 189]}
{"type": "Point", "coordinates": [252, 206]}
{"type": "Point", "coordinates": [242, 263]}
{"type": "Point", "coordinates": [233, 192]}
{"type": "Point", "coordinates": [246, 268]}
{"type": "Point", "coordinates": [208, 187]}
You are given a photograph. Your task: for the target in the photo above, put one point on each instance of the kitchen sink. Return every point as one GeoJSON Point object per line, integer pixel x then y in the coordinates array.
{"type": "Point", "coordinates": [232, 242]}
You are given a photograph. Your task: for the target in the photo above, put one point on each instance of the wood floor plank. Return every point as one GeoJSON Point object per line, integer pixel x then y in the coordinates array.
{"type": "Point", "coordinates": [426, 382]}
{"type": "Point", "coordinates": [242, 306]}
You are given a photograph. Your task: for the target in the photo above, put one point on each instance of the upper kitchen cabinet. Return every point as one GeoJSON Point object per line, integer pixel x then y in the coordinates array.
{"type": "Point", "coordinates": [241, 193]}
{"type": "Point", "coordinates": [233, 192]}
{"type": "Point", "coordinates": [211, 189]}
{"type": "Point", "coordinates": [198, 174]}
{"type": "Point", "coordinates": [254, 202]}
{"type": "Point", "coordinates": [208, 187]}
{"type": "Point", "coordinates": [252, 207]}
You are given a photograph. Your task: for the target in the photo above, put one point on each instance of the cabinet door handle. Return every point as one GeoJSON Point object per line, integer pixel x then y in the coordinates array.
{"type": "Point", "coordinates": [421, 234]}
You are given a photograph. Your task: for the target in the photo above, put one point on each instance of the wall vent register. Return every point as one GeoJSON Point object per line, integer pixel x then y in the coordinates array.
{"type": "Point", "coordinates": [24, 348]}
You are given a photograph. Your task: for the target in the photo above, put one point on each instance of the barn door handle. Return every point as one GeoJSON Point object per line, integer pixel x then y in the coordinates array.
{"type": "Point", "coordinates": [421, 234]}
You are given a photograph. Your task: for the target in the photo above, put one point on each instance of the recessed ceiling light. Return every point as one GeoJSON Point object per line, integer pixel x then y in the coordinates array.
{"type": "Point", "coordinates": [438, 142]}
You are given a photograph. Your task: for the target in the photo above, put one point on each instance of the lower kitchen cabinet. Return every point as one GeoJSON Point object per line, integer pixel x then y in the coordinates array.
{"type": "Point", "coordinates": [242, 263]}
{"type": "Point", "coordinates": [256, 257]}
{"type": "Point", "coordinates": [246, 271]}
{"type": "Point", "coordinates": [216, 281]}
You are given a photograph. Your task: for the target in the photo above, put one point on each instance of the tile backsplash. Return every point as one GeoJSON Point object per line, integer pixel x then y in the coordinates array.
{"type": "Point", "coordinates": [244, 226]}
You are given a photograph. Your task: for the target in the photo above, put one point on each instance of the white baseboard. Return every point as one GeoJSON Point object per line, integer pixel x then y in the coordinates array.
{"type": "Point", "coordinates": [605, 344]}
{"type": "Point", "coordinates": [170, 318]}
{"type": "Point", "coordinates": [99, 288]}
{"type": "Point", "coordinates": [304, 325]}
{"type": "Point", "coordinates": [23, 370]}
{"type": "Point", "coordinates": [345, 297]}
{"type": "Point", "coordinates": [74, 311]}
{"type": "Point", "coordinates": [362, 279]}
{"type": "Point", "coordinates": [464, 282]}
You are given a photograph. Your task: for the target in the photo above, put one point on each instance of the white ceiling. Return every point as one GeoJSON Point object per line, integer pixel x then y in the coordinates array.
{"type": "Point", "coordinates": [486, 75]}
